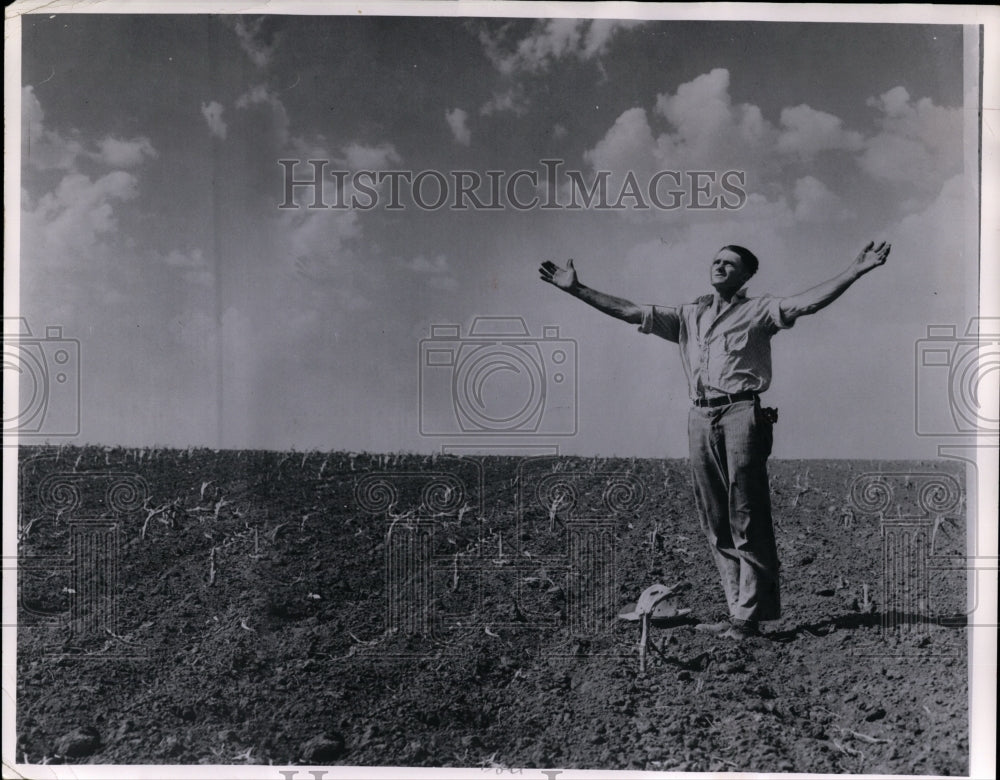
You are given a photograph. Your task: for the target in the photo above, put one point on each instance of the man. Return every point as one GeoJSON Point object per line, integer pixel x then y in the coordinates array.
{"type": "Point", "coordinates": [725, 346]}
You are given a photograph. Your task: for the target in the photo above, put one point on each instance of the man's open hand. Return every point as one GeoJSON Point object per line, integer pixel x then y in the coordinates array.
{"type": "Point", "coordinates": [871, 257]}
{"type": "Point", "coordinates": [563, 278]}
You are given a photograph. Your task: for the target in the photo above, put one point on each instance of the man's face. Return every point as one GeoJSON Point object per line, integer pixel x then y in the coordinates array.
{"type": "Point", "coordinates": [727, 274]}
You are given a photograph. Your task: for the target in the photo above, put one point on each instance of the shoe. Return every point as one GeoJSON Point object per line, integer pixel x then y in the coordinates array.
{"type": "Point", "coordinates": [714, 628]}
{"type": "Point", "coordinates": [741, 630]}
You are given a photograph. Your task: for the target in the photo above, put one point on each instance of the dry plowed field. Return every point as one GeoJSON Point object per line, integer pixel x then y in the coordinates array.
{"type": "Point", "coordinates": [186, 607]}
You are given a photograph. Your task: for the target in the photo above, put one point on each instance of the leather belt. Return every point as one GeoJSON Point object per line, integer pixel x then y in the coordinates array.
{"type": "Point", "coordinates": [725, 400]}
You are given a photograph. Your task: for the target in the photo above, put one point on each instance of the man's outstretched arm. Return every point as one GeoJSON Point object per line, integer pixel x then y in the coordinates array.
{"type": "Point", "coordinates": [567, 279]}
{"type": "Point", "coordinates": [822, 295]}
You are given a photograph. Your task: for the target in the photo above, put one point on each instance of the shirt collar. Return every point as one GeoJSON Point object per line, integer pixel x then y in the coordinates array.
{"type": "Point", "coordinates": [718, 304]}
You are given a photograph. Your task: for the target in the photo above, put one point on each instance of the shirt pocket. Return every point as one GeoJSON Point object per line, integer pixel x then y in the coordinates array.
{"type": "Point", "coordinates": [737, 342]}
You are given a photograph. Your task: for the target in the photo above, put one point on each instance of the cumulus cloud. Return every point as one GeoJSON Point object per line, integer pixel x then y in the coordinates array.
{"type": "Point", "coordinates": [69, 221]}
{"type": "Point", "coordinates": [815, 202]}
{"type": "Point", "coordinates": [436, 270]}
{"type": "Point", "coordinates": [806, 132]}
{"type": "Point", "coordinates": [42, 148]}
{"type": "Point", "coordinates": [74, 211]}
{"type": "Point", "coordinates": [627, 145]}
{"type": "Point", "coordinates": [369, 157]}
{"type": "Point", "coordinates": [354, 156]}
{"type": "Point", "coordinates": [260, 96]}
{"type": "Point", "coordinates": [934, 245]}
{"type": "Point", "coordinates": [511, 100]}
{"type": "Point", "coordinates": [707, 127]}
{"type": "Point", "coordinates": [319, 239]}
{"type": "Point", "coordinates": [551, 40]}
{"type": "Point", "coordinates": [46, 149]}
{"type": "Point", "coordinates": [919, 143]}
{"type": "Point", "coordinates": [323, 247]}
{"type": "Point", "coordinates": [456, 119]}
{"type": "Point", "coordinates": [257, 39]}
{"type": "Point", "coordinates": [698, 128]}
{"type": "Point", "coordinates": [192, 266]}
{"type": "Point", "coordinates": [124, 153]}
{"type": "Point", "coordinates": [212, 112]}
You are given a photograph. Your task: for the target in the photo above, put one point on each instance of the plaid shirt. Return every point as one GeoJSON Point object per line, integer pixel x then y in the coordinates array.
{"type": "Point", "coordinates": [725, 348]}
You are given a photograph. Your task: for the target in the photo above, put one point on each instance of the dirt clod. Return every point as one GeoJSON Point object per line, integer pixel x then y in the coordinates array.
{"type": "Point", "coordinates": [78, 743]}
{"type": "Point", "coordinates": [323, 749]}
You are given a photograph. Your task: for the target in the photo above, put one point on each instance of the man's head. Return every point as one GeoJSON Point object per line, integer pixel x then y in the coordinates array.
{"type": "Point", "coordinates": [732, 268]}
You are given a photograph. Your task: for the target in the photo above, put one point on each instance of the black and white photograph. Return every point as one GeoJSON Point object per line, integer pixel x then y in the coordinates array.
{"type": "Point", "coordinates": [488, 389]}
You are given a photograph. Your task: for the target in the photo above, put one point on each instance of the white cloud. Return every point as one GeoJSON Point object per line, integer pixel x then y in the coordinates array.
{"type": "Point", "coordinates": [708, 131]}
{"type": "Point", "coordinates": [456, 119]}
{"type": "Point", "coordinates": [807, 132]}
{"type": "Point", "coordinates": [702, 131]}
{"type": "Point", "coordinates": [261, 96]}
{"type": "Point", "coordinates": [78, 219]}
{"type": "Point", "coordinates": [627, 145]}
{"type": "Point", "coordinates": [815, 202]}
{"type": "Point", "coordinates": [251, 34]}
{"type": "Point", "coordinates": [124, 153]}
{"type": "Point", "coordinates": [42, 148]}
{"type": "Point", "coordinates": [929, 248]}
{"type": "Point", "coordinates": [319, 238]}
{"type": "Point", "coordinates": [937, 231]}
{"type": "Point", "coordinates": [919, 143]}
{"type": "Point", "coordinates": [699, 107]}
{"type": "Point", "coordinates": [192, 266]}
{"type": "Point", "coordinates": [551, 40]}
{"type": "Point", "coordinates": [365, 157]}
{"type": "Point", "coordinates": [212, 112]}
{"type": "Point", "coordinates": [510, 100]}
{"type": "Point", "coordinates": [323, 247]}
{"type": "Point", "coordinates": [46, 149]}
{"type": "Point", "coordinates": [600, 32]}
{"type": "Point", "coordinates": [436, 270]}
{"type": "Point", "coordinates": [32, 115]}
{"type": "Point", "coordinates": [897, 159]}
{"type": "Point", "coordinates": [421, 264]}
{"type": "Point", "coordinates": [324, 255]}
{"type": "Point", "coordinates": [69, 222]}
{"type": "Point", "coordinates": [699, 127]}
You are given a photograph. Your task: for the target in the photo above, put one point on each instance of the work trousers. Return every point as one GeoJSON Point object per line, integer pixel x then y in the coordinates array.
{"type": "Point", "coordinates": [730, 446]}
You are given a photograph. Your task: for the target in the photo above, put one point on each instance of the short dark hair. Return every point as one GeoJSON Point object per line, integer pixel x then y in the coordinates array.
{"type": "Point", "coordinates": [749, 259]}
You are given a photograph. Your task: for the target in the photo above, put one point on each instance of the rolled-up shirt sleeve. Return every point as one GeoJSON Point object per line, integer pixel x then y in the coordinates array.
{"type": "Point", "coordinates": [772, 311]}
{"type": "Point", "coordinates": [662, 321]}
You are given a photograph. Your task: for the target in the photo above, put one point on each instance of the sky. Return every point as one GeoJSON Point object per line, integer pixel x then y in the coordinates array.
{"type": "Point", "coordinates": [206, 315]}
